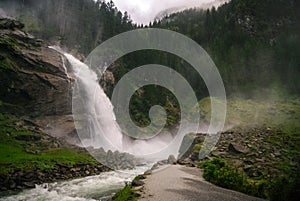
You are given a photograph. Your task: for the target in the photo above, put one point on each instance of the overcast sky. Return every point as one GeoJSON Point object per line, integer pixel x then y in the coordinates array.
{"type": "Point", "coordinates": [144, 11]}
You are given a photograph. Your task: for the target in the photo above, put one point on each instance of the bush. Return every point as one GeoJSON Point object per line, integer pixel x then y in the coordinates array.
{"type": "Point", "coordinates": [286, 188]}
{"type": "Point", "coordinates": [218, 172]}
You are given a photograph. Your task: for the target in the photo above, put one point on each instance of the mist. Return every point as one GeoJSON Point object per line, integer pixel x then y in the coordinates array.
{"type": "Point", "coordinates": [144, 11]}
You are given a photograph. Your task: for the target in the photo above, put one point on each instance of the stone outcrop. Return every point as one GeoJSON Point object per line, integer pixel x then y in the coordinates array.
{"type": "Point", "coordinates": [33, 77]}
{"type": "Point", "coordinates": [34, 83]}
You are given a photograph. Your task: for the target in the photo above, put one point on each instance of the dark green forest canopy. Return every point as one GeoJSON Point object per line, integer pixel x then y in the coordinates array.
{"type": "Point", "coordinates": [255, 44]}
{"type": "Point", "coordinates": [76, 24]}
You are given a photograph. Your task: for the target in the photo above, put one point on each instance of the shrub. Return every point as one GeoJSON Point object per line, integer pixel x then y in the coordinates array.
{"type": "Point", "coordinates": [218, 172]}
{"type": "Point", "coordinates": [286, 188]}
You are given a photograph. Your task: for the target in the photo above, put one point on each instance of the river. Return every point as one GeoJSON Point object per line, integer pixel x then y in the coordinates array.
{"type": "Point", "coordinates": [93, 188]}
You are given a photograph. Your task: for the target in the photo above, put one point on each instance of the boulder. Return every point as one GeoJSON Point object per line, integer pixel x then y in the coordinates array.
{"type": "Point", "coordinates": [148, 172]}
{"type": "Point", "coordinates": [237, 148]}
{"type": "Point", "coordinates": [137, 183]}
{"type": "Point", "coordinates": [172, 159]}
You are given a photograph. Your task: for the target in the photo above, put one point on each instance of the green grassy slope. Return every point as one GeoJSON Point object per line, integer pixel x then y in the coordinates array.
{"type": "Point", "coordinates": [21, 148]}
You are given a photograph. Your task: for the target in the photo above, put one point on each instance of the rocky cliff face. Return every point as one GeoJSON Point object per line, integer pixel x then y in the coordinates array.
{"type": "Point", "coordinates": [33, 80]}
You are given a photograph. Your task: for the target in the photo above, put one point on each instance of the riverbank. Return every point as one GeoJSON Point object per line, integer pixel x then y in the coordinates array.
{"type": "Point", "coordinates": [92, 188]}
{"type": "Point", "coordinates": [29, 157]}
{"type": "Point", "coordinates": [178, 183]}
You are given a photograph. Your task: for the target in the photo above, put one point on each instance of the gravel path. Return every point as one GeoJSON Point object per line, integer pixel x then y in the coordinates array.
{"type": "Point", "coordinates": [179, 183]}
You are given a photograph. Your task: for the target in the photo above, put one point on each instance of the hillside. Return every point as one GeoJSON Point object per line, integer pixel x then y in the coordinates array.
{"type": "Point", "coordinates": [34, 85]}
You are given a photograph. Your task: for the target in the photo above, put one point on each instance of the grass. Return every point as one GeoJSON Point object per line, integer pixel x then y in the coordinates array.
{"type": "Point", "coordinates": [9, 42]}
{"type": "Point", "coordinates": [283, 114]}
{"type": "Point", "coordinates": [127, 194]}
{"type": "Point", "coordinates": [23, 155]}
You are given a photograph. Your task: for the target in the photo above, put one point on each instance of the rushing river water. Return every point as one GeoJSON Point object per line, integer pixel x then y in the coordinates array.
{"type": "Point", "coordinates": [100, 187]}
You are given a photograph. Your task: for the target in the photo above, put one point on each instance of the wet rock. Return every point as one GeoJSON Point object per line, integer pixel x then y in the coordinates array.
{"type": "Point", "coordinates": [155, 166]}
{"type": "Point", "coordinates": [163, 162]}
{"type": "Point", "coordinates": [148, 172]}
{"type": "Point", "coordinates": [29, 184]}
{"type": "Point", "coordinates": [137, 183]}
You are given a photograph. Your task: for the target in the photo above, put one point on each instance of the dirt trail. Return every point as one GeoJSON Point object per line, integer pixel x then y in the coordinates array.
{"type": "Point", "coordinates": [179, 183]}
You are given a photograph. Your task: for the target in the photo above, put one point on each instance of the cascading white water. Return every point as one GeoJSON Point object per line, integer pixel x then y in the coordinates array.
{"type": "Point", "coordinates": [98, 108]}
{"type": "Point", "coordinates": [93, 188]}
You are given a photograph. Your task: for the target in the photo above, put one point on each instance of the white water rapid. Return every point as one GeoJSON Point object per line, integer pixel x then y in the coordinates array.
{"type": "Point", "coordinates": [93, 188]}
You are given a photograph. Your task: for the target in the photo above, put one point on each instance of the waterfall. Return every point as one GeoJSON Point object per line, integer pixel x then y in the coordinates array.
{"type": "Point", "coordinates": [100, 115]}
{"type": "Point", "coordinates": [96, 111]}
{"type": "Point", "coordinates": [96, 122]}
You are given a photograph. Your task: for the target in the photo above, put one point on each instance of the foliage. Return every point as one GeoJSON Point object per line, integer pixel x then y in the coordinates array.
{"type": "Point", "coordinates": [255, 44]}
{"type": "Point", "coordinates": [126, 194]}
{"type": "Point", "coordinates": [139, 177]}
{"type": "Point", "coordinates": [286, 188]}
{"type": "Point", "coordinates": [220, 173]}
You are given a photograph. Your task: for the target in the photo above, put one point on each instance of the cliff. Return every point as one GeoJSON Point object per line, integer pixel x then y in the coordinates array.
{"type": "Point", "coordinates": [34, 84]}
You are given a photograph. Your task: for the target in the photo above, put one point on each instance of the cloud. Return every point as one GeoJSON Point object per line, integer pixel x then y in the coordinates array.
{"type": "Point", "coordinates": [144, 11]}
